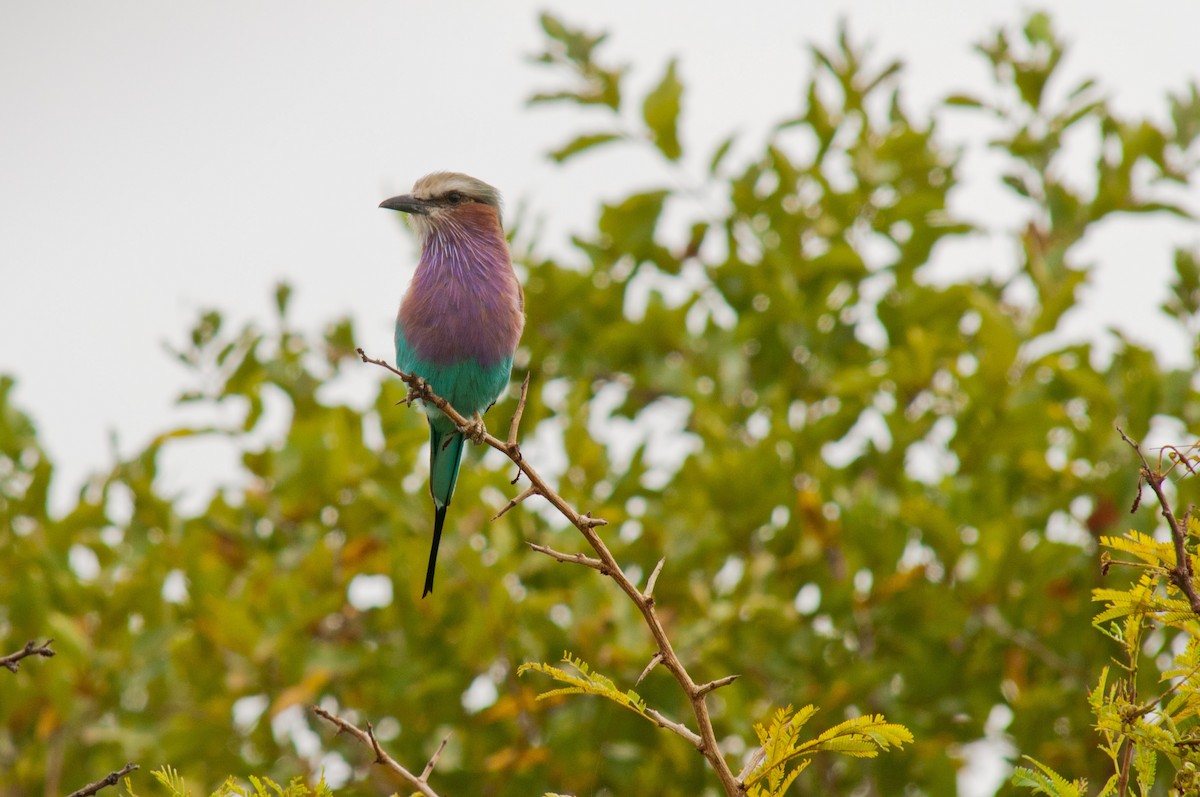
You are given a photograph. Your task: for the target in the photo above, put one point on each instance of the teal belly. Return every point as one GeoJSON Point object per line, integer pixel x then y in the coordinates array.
{"type": "Point", "coordinates": [468, 385]}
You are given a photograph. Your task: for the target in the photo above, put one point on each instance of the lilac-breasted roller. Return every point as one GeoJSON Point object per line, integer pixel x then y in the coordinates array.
{"type": "Point", "coordinates": [461, 318]}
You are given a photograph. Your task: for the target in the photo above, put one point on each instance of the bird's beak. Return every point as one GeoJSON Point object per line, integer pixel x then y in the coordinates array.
{"type": "Point", "coordinates": [406, 203]}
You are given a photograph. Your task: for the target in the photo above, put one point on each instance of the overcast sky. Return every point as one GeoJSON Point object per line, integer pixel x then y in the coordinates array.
{"type": "Point", "coordinates": [157, 159]}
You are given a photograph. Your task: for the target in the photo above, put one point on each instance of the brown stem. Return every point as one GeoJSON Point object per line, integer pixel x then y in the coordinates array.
{"type": "Point", "coordinates": [1126, 762]}
{"type": "Point", "coordinates": [111, 779]}
{"type": "Point", "coordinates": [367, 739]}
{"type": "Point", "coordinates": [32, 648]}
{"type": "Point", "coordinates": [1181, 573]}
{"type": "Point", "coordinates": [706, 740]}
{"type": "Point", "coordinates": [573, 558]}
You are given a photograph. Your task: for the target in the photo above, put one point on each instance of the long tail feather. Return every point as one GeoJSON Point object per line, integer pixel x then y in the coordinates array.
{"type": "Point", "coordinates": [445, 456]}
{"type": "Point", "coordinates": [439, 519]}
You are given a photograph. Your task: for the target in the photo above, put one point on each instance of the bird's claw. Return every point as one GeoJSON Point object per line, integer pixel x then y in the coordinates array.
{"type": "Point", "coordinates": [475, 431]}
{"type": "Point", "coordinates": [416, 391]}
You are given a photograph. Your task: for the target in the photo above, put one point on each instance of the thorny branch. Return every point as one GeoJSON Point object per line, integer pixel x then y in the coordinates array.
{"type": "Point", "coordinates": [1181, 574]}
{"type": "Point", "coordinates": [32, 648]}
{"type": "Point", "coordinates": [706, 741]}
{"type": "Point", "coordinates": [12, 662]}
{"type": "Point", "coordinates": [111, 779]}
{"type": "Point", "coordinates": [367, 739]}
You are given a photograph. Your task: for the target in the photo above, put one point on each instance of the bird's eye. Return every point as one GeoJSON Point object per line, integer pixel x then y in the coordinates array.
{"type": "Point", "coordinates": [455, 198]}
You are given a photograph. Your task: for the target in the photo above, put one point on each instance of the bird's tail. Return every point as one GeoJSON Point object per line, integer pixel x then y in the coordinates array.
{"type": "Point", "coordinates": [439, 518]}
{"type": "Point", "coordinates": [445, 456]}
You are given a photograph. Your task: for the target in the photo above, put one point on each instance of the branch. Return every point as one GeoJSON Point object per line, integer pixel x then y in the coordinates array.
{"type": "Point", "coordinates": [1181, 573]}
{"type": "Point", "coordinates": [606, 564]}
{"type": "Point", "coordinates": [32, 648]}
{"type": "Point", "coordinates": [675, 727]}
{"type": "Point", "coordinates": [111, 779]}
{"type": "Point", "coordinates": [367, 739]}
{"type": "Point", "coordinates": [573, 558]}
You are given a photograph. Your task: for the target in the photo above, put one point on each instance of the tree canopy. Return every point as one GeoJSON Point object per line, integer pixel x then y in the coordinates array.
{"type": "Point", "coordinates": [875, 491]}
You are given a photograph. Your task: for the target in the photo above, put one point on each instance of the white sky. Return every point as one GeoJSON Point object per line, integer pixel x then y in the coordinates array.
{"type": "Point", "coordinates": [161, 158]}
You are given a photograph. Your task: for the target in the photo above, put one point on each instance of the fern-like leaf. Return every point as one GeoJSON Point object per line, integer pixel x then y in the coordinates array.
{"type": "Point", "coordinates": [172, 780]}
{"type": "Point", "coordinates": [584, 681]}
{"type": "Point", "coordinates": [1144, 547]}
{"type": "Point", "coordinates": [861, 737]}
{"type": "Point", "coordinates": [1045, 780]}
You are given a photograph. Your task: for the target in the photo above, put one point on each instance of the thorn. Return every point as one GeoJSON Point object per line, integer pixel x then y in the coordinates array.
{"type": "Point", "coordinates": [514, 501]}
{"type": "Point", "coordinates": [655, 660]}
{"type": "Point", "coordinates": [515, 424]}
{"type": "Point", "coordinates": [649, 592]}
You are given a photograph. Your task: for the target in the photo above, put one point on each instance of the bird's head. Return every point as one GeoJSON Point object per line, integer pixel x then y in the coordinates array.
{"type": "Point", "coordinates": [445, 197]}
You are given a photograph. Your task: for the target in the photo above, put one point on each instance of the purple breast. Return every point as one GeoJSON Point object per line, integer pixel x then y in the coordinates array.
{"type": "Point", "coordinates": [464, 301]}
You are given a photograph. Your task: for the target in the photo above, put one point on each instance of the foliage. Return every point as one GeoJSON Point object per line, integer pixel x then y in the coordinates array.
{"type": "Point", "coordinates": [1044, 780]}
{"type": "Point", "coordinates": [877, 482]}
{"type": "Point", "coordinates": [584, 681]}
{"type": "Point", "coordinates": [259, 787]}
{"type": "Point", "coordinates": [1137, 733]}
{"type": "Point", "coordinates": [781, 745]}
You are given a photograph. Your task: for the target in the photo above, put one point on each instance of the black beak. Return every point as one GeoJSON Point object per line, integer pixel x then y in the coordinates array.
{"type": "Point", "coordinates": [406, 203]}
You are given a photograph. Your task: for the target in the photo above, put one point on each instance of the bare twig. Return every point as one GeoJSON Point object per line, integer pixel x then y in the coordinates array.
{"type": "Point", "coordinates": [1181, 573]}
{"type": "Point", "coordinates": [111, 779]}
{"type": "Point", "coordinates": [1179, 458]}
{"type": "Point", "coordinates": [1126, 761]}
{"type": "Point", "coordinates": [433, 759]}
{"type": "Point", "coordinates": [367, 739]}
{"type": "Point", "coordinates": [705, 741]}
{"type": "Point", "coordinates": [32, 648]}
{"type": "Point", "coordinates": [675, 727]}
{"type": "Point", "coordinates": [712, 686]}
{"type": "Point", "coordinates": [573, 558]}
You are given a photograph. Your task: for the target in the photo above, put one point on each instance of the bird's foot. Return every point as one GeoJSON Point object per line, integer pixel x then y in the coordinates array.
{"type": "Point", "coordinates": [475, 430]}
{"type": "Point", "coordinates": [416, 391]}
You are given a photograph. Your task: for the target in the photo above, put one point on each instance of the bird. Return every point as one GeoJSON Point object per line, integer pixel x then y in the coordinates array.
{"type": "Point", "coordinates": [460, 320]}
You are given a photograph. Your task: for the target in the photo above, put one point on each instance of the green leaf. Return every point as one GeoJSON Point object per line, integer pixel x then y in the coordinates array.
{"type": "Point", "coordinates": [963, 101]}
{"type": "Point", "coordinates": [719, 154]}
{"type": "Point", "coordinates": [1185, 287]}
{"type": "Point", "coordinates": [1185, 115]}
{"type": "Point", "coordinates": [582, 143]}
{"type": "Point", "coordinates": [283, 293]}
{"type": "Point", "coordinates": [586, 682]}
{"type": "Point", "coordinates": [1045, 780]}
{"type": "Point", "coordinates": [661, 112]}
{"type": "Point", "coordinates": [632, 223]}
{"type": "Point", "coordinates": [579, 46]}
